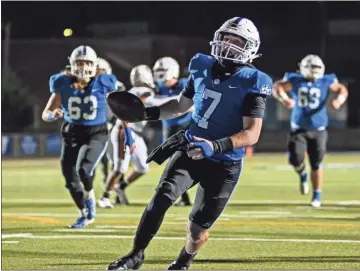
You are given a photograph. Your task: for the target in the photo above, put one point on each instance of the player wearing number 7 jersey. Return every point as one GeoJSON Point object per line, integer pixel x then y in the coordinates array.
{"type": "Point", "coordinates": [229, 96]}
{"type": "Point", "coordinates": [82, 98]}
{"type": "Point", "coordinates": [309, 91]}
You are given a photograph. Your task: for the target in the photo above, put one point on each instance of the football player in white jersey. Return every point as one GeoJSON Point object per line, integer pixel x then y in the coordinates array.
{"type": "Point", "coordinates": [143, 83]}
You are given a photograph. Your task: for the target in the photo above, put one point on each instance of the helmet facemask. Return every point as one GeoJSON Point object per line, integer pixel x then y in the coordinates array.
{"type": "Point", "coordinates": [83, 69]}
{"type": "Point", "coordinates": [223, 47]}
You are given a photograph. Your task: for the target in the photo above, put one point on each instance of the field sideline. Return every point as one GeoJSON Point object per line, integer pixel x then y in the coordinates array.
{"type": "Point", "coordinates": [267, 224]}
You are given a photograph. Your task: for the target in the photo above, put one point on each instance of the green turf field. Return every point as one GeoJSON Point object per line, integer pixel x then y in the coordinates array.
{"type": "Point", "coordinates": [267, 224]}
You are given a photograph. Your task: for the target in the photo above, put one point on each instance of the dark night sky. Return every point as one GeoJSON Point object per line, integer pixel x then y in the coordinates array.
{"type": "Point", "coordinates": [49, 19]}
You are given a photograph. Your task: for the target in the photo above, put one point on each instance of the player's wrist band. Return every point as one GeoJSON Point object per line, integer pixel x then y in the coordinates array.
{"type": "Point", "coordinates": [51, 117]}
{"type": "Point", "coordinates": [223, 145]}
{"type": "Point", "coordinates": [152, 113]}
{"type": "Point", "coordinates": [341, 98]}
{"type": "Point", "coordinates": [283, 96]}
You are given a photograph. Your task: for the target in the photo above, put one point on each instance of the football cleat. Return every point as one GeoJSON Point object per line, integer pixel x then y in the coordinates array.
{"type": "Point", "coordinates": [304, 185]}
{"type": "Point", "coordinates": [129, 262]}
{"type": "Point", "coordinates": [81, 222]}
{"type": "Point", "coordinates": [105, 203]}
{"type": "Point", "coordinates": [316, 203]}
{"type": "Point", "coordinates": [178, 266]}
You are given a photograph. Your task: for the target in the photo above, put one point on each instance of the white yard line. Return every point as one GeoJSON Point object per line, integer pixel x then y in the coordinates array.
{"type": "Point", "coordinates": [183, 238]}
{"type": "Point", "coordinates": [224, 217]}
{"type": "Point", "coordinates": [332, 202]}
{"type": "Point", "coordinates": [15, 235]}
{"type": "Point", "coordinates": [10, 242]}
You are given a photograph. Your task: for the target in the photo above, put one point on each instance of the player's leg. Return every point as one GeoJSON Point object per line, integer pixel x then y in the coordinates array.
{"type": "Point", "coordinates": [316, 149]}
{"type": "Point", "coordinates": [121, 162]}
{"type": "Point", "coordinates": [89, 156]}
{"type": "Point", "coordinates": [140, 168]}
{"type": "Point", "coordinates": [174, 181]}
{"type": "Point", "coordinates": [105, 167]}
{"type": "Point", "coordinates": [69, 153]}
{"type": "Point", "coordinates": [214, 191]}
{"type": "Point", "coordinates": [296, 153]}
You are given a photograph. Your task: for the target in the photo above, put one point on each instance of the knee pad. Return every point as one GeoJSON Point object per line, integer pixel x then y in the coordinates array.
{"type": "Point", "coordinates": [82, 173]}
{"type": "Point", "coordinates": [316, 164]}
{"type": "Point", "coordinates": [73, 186]}
{"type": "Point", "coordinates": [169, 190]}
{"type": "Point", "coordinates": [296, 160]}
{"type": "Point", "coordinates": [159, 203]}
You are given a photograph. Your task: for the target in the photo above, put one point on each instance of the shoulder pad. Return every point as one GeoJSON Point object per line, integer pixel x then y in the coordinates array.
{"type": "Point", "coordinates": [331, 78]}
{"type": "Point", "coordinates": [57, 81]}
{"type": "Point", "coordinates": [197, 60]}
{"type": "Point", "coordinates": [108, 80]}
{"type": "Point", "coordinates": [263, 85]}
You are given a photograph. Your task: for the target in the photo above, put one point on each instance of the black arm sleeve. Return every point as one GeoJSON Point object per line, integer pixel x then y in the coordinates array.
{"type": "Point", "coordinates": [254, 106]}
{"type": "Point", "coordinates": [189, 90]}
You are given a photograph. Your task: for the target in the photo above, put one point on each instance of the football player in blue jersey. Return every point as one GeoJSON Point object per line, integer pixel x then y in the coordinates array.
{"type": "Point", "coordinates": [80, 98]}
{"type": "Point", "coordinates": [309, 91]}
{"type": "Point", "coordinates": [229, 97]}
{"type": "Point", "coordinates": [166, 74]}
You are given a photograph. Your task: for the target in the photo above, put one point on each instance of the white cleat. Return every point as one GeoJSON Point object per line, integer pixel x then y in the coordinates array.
{"type": "Point", "coordinates": [105, 203]}
{"type": "Point", "coordinates": [316, 203]}
{"type": "Point", "coordinates": [304, 188]}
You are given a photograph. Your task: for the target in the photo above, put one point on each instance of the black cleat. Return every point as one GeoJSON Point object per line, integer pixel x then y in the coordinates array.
{"type": "Point", "coordinates": [129, 262]}
{"type": "Point", "coordinates": [178, 266]}
{"type": "Point", "coordinates": [183, 261]}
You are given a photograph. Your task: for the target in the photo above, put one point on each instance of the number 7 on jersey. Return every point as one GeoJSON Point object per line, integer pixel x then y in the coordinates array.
{"type": "Point", "coordinates": [216, 96]}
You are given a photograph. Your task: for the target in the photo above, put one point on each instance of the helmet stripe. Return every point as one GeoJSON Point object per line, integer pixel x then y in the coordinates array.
{"type": "Point", "coordinates": [238, 19]}
{"type": "Point", "coordinates": [84, 50]}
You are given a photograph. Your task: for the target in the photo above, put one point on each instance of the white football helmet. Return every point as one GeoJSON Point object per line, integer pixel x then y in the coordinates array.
{"type": "Point", "coordinates": [226, 50]}
{"type": "Point", "coordinates": [104, 65]}
{"type": "Point", "coordinates": [140, 75]}
{"type": "Point", "coordinates": [312, 67]}
{"type": "Point", "coordinates": [166, 68]}
{"type": "Point", "coordinates": [83, 62]}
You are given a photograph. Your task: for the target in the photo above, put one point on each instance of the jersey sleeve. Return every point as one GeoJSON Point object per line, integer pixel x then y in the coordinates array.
{"type": "Point", "coordinates": [263, 85]}
{"type": "Point", "coordinates": [109, 81]}
{"type": "Point", "coordinates": [189, 90]}
{"type": "Point", "coordinates": [56, 83]}
{"type": "Point", "coordinates": [254, 106]}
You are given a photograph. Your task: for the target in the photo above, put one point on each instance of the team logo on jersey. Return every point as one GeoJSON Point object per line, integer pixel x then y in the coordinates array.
{"type": "Point", "coordinates": [216, 81]}
{"type": "Point", "coordinates": [265, 89]}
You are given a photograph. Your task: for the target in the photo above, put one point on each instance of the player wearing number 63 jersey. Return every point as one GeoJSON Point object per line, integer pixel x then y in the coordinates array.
{"type": "Point", "coordinates": [82, 98]}
{"type": "Point", "coordinates": [309, 92]}
{"type": "Point", "coordinates": [229, 96]}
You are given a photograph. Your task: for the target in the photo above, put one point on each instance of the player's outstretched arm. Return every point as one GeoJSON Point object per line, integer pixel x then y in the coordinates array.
{"type": "Point", "coordinates": [52, 111]}
{"type": "Point", "coordinates": [280, 92]}
{"type": "Point", "coordinates": [170, 109]}
{"type": "Point", "coordinates": [342, 96]}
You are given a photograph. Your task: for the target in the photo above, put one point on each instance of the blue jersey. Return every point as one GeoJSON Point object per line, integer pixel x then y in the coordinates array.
{"type": "Point", "coordinates": [310, 110]}
{"type": "Point", "coordinates": [168, 92]}
{"type": "Point", "coordinates": [87, 106]}
{"type": "Point", "coordinates": [218, 104]}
